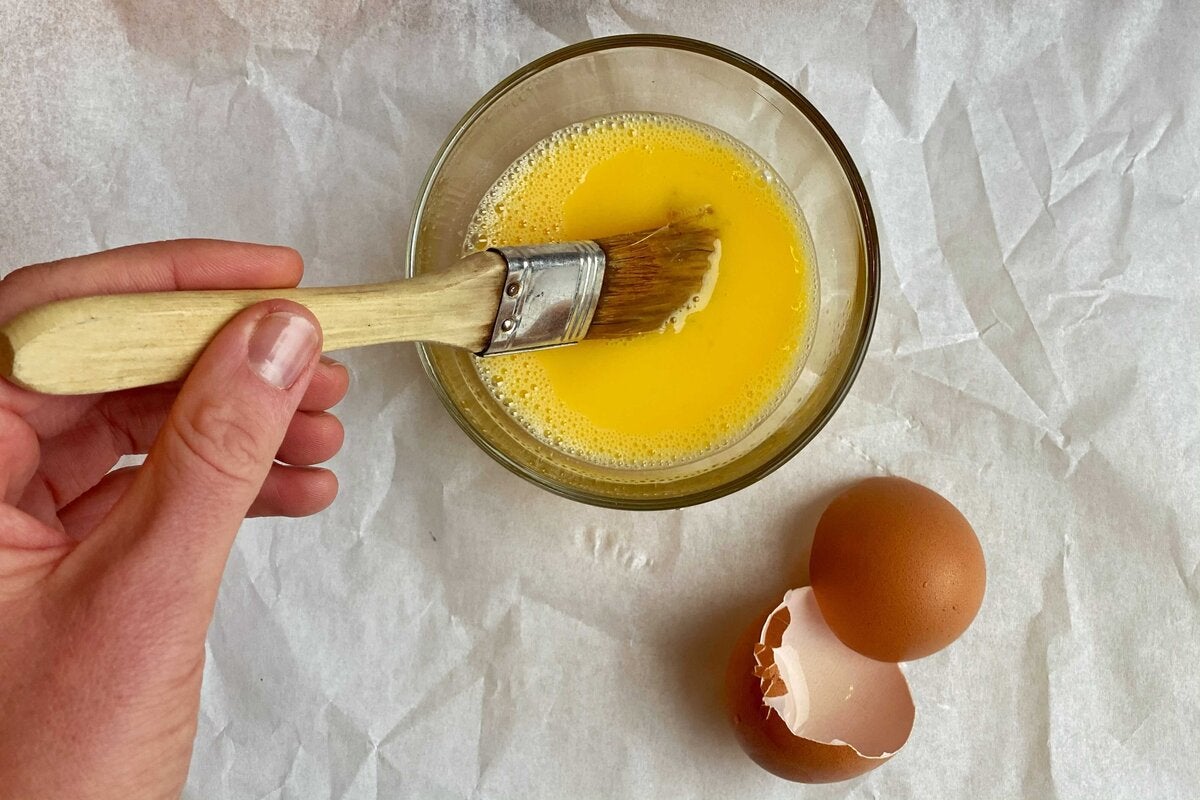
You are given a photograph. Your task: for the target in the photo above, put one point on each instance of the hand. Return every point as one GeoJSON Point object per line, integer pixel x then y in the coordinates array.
{"type": "Point", "coordinates": [108, 579]}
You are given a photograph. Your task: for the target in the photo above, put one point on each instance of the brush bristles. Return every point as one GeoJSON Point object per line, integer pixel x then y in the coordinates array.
{"type": "Point", "coordinates": [648, 276]}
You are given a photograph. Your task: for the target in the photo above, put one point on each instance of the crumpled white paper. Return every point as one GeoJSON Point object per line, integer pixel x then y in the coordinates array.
{"type": "Point", "coordinates": [447, 630]}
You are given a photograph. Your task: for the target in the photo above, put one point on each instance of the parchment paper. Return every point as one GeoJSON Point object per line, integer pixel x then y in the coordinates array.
{"type": "Point", "coordinates": [447, 630]}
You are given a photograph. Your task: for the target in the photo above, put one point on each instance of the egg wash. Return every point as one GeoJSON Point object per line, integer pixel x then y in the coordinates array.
{"type": "Point", "coordinates": [718, 367]}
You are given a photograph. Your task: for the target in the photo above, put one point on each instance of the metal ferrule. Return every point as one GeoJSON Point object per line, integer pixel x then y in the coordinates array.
{"type": "Point", "coordinates": [549, 296]}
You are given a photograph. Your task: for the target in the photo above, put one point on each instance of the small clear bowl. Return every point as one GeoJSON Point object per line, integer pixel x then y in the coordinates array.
{"type": "Point", "coordinates": [711, 85]}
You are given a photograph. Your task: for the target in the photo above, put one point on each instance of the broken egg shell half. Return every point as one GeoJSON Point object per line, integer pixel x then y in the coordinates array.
{"type": "Point", "coordinates": [807, 708]}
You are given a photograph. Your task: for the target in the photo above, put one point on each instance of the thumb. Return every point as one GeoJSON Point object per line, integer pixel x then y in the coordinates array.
{"type": "Point", "coordinates": [213, 453]}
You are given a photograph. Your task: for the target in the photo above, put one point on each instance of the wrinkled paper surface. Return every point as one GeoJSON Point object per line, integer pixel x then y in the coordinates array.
{"type": "Point", "coordinates": [447, 630]}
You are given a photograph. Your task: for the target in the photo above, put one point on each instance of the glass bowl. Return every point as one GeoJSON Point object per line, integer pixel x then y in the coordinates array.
{"type": "Point", "coordinates": [711, 85]}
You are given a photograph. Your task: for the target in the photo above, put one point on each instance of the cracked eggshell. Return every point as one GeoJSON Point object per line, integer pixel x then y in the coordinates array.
{"type": "Point", "coordinates": [896, 569]}
{"type": "Point", "coordinates": [807, 708]}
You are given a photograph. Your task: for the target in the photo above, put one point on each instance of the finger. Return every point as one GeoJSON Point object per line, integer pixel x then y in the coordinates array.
{"type": "Point", "coordinates": [295, 492]}
{"type": "Point", "coordinates": [80, 517]}
{"type": "Point", "coordinates": [152, 267]}
{"type": "Point", "coordinates": [312, 437]}
{"type": "Point", "coordinates": [119, 424]}
{"type": "Point", "coordinates": [174, 525]}
{"type": "Point", "coordinates": [59, 414]}
{"type": "Point", "coordinates": [328, 386]}
{"type": "Point", "coordinates": [286, 492]}
{"type": "Point", "coordinates": [125, 423]}
{"type": "Point", "coordinates": [19, 456]}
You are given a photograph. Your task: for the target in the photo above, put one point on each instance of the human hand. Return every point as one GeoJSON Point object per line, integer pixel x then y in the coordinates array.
{"type": "Point", "coordinates": [108, 579]}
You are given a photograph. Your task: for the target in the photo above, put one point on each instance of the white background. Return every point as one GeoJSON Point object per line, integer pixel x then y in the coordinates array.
{"type": "Point", "coordinates": [447, 630]}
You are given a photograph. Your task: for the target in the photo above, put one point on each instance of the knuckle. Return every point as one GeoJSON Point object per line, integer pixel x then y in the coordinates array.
{"type": "Point", "coordinates": [224, 438]}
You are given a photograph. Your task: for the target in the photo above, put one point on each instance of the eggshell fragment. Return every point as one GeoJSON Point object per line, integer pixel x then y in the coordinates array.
{"type": "Point", "coordinates": [896, 569]}
{"type": "Point", "coordinates": [807, 708]}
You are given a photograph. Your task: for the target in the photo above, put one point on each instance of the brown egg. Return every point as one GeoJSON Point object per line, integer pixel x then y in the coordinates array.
{"type": "Point", "coordinates": [896, 569]}
{"type": "Point", "coordinates": [807, 708]}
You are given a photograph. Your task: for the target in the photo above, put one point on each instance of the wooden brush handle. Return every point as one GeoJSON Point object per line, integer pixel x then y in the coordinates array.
{"type": "Point", "coordinates": [100, 344]}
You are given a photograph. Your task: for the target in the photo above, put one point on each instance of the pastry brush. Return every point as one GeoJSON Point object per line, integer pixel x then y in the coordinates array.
{"type": "Point", "coordinates": [500, 300]}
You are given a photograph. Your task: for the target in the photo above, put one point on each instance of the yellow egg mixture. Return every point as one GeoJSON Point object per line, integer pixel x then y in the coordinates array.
{"type": "Point", "coordinates": [669, 397]}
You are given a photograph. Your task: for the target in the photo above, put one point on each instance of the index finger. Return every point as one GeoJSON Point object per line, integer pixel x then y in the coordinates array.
{"type": "Point", "coordinates": [152, 267]}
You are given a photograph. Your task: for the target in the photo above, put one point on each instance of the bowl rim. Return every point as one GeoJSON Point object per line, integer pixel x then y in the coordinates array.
{"type": "Point", "coordinates": [870, 246]}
